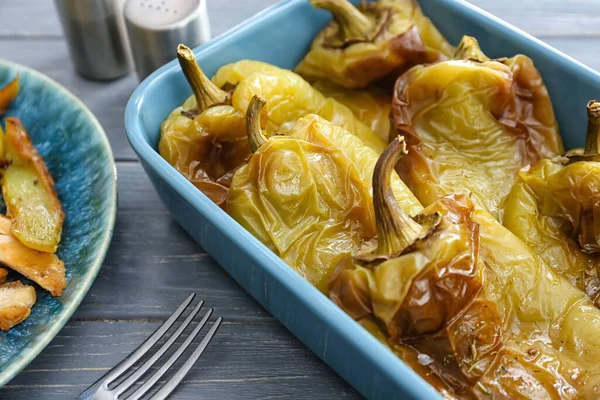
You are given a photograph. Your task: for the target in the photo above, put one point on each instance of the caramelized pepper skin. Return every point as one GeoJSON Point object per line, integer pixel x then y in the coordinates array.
{"type": "Point", "coordinates": [315, 129]}
{"type": "Point", "coordinates": [289, 97]}
{"type": "Point", "coordinates": [363, 44]}
{"type": "Point", "coordinates": [204, 139]}
{"type": "Point", "coordinates": [307, 196]}
{"type": "Point", "coordinates": [207, 149]}
{"type": "Point", "coordinates": [306, 201]}
{"type": "Point", "coordinates": [545, 208]}
{"type": "Point", "coordinates": [472, 124]}
{"type": "Point", "coordinates": [484, 314]}
{"type": "Point", "coordinates": [554, 207]}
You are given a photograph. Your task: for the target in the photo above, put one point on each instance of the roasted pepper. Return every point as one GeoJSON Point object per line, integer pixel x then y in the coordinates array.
{"type": "Point", "coordinates": [409, 356]}
{"type": "Point", "coordinates": [553, 208]}
{"type": "Point", "coordinates": [204, 139]}
{"type": "Point", "coordinates": [471, 124]}
{"type": "Point", "coordinates": [289, 97]}
{"type": "Point", "coordinates": [465, 298]}
{"type": "Point", "coordinates": [371, 107]}
{"type": "Point", "coordinates": [307, 195]}
{"type": "Point", "coordinates": [365, 43]}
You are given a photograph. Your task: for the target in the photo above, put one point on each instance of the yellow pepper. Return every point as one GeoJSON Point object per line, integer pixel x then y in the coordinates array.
{"type": "Point", "coordinates": [289, 97]}
{"type": "Point", "coordinates": [409, 356]}
{"type": "Point", "coordinates": [471, 124]}
{"type": "Point", "coordinates": [307, 195]}
{"type": "Point", "coordinates": [475, 306]}
{"type": "Point", "coordinates": [365, 43]}
{"type": "Point", "coordinates": [371, 107]}
{"type": "Point", "coordinates": [204, 139]}
{"type": "Point", "coordinates": [553, 207]}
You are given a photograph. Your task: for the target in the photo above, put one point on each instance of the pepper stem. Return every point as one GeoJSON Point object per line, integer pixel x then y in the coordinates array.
{"type": "Point", "coordinates": [593, 128]}
{"type": "Point", "coordinates": [207, 93]}
{"type": "Point", "coordinates": [354, 25]}
{"type": "Point", "coordinates": [395, 229]}
{"type": "Point", "coordinates": [468, 49]}
{"type": "Point", "coordinates": [253, 129]}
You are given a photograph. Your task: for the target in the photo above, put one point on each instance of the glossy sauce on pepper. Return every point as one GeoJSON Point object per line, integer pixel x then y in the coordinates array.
{"type": "Point", "coordinates": [471, 125]}
{"type": "Point", "coordinates": [365, 43]}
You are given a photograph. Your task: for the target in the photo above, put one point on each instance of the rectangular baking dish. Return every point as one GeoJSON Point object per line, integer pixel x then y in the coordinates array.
{"type": "Point", "coordinates": [281, 35]}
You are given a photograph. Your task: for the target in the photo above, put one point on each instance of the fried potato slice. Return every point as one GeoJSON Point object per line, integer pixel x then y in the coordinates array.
{"type": "Point", "coordinates": [3, 275]}
{"type": "Point", "coordinates": [8, 93]}
{"type": "Point", "coordinates": [16, 301]}
{"type": "Point", "coordinates": [45, 269]}
{"type": "Point", "coordinates": [28, 188]}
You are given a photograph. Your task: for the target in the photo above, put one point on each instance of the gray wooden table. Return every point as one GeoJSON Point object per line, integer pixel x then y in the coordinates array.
{"type": "Point", "coordinates": [153, 264]}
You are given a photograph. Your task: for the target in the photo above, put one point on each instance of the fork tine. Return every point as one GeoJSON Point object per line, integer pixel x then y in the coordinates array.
{"type": "Point", "coordinates": [131, 379]}
{"type": "Point", "coordinates": [144, 347]}
{"type": "Point", "coordinates": [172, 383]}
{"type": "Point", "coordinates": [158, 374]}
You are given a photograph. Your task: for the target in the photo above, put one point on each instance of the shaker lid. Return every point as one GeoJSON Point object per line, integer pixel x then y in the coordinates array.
{"type": "Point", "coordinates": [157, 14]}
{"type": "Point", "coordinates": [156, 27]}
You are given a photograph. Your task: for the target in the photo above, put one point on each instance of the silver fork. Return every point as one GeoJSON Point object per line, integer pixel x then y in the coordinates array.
{"type": "Point", "coordinates": [101, 391]}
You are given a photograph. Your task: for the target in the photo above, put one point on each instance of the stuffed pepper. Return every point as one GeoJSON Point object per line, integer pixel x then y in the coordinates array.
{"type": "Point", "coordinates": [365, 43]}
{"type": "Point", "coordinates": [467, 304]}
{"type": "Point", "coordinates": [553, 207]}
{"type": "Point", "coordinates": [471, 124]}
{"type": "Point", "coordinates": [307, 194]}
{"type": "Point", "coordinates": [205, 138]}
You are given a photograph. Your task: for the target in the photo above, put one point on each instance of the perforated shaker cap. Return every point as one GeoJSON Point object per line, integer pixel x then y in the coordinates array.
{"type": "Point", "coordinates": [156, 27]}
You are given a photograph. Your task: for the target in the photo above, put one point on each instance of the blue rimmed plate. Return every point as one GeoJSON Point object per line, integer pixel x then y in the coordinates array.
{"type": "Point", "coordinates": [80, 160]}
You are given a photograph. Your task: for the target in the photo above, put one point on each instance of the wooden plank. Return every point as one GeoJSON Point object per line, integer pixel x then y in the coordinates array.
{"type": "Point", "coordinates": [153, 264]}
{"type": "Point", "coordinates": [538, 17]}
{"type": "Point", "coordinates": [33, 19]}
{"type": "Point", "coordinates": [581, 49]}
{"type": "Point", "coordinates": [29, 19]}
{"type": "Point", "coordinates": [243, 361]}
{"type": "Point", "coordinates": [548, 18]}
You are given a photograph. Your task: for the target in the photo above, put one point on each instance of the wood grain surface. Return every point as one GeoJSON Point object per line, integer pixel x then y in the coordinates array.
{"type": "Point", "coordinates": [153, 264]}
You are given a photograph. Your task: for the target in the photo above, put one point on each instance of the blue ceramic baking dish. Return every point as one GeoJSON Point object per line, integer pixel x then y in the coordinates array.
{"type": "Point", "coordinates": [281, 35]}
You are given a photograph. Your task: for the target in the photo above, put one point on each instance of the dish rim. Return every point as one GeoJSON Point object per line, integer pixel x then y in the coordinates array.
{"type": "Point", "coordinates": [31, 352]}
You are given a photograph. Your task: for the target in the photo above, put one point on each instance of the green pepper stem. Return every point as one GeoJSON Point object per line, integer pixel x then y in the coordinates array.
{"type": "Point", "coordinates": [395, 229]}
{"type": "Point", "coordinates": [593, 128]}
{"type": "Point", "coordinates": [253, 129]}
{"type": "Point", "coordinates": [468, 49]}
{"type": "Point", "coordinates": [354, 25]}
{"type": "Point", "coordinates": [207, 93]}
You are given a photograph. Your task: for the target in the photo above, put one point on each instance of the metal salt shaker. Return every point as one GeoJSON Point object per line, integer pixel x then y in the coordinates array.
{"type": "Point", "coordinates": [96, 37]}
{"type": "Point", "coordinates": [156, 27]}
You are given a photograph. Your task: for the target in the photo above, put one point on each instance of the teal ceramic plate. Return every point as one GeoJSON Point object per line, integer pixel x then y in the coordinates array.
{"type": "Point", "coordinates": [80, 160]}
